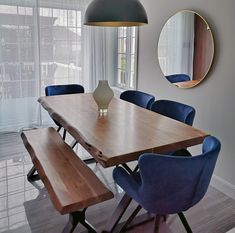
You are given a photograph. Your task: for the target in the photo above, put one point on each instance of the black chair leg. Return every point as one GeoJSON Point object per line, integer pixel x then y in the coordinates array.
{"type": "Point", "coordinates": [185, 223]}
{"type": "Point", "coordinates": [157, 223]}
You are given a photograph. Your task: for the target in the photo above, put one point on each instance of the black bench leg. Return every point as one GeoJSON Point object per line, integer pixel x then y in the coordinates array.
{"type": "Point", "coordinates": [31, 176]}
{"type": "Point", "coordinates": [74, 219]}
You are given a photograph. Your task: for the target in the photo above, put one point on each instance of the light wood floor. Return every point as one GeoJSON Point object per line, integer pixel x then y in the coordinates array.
{"type": "Point", "coordinates": [26, 208]}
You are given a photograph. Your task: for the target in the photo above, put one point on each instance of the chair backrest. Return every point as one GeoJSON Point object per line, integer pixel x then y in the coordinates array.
{"type": "Point", "coordinates": [175, 110]}
{"type": "Point", "coordinates": [171, 184]}
{"type": "Point", "coordinates": [175, 78]}
{"type": "Point", "coordinates": [64, 89]}
{"type": "Point", "coordinates": [139, 98]}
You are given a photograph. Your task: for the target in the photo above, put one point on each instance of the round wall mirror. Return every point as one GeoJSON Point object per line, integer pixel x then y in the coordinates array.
{"type": "Point", "coordinates": [185, 49]}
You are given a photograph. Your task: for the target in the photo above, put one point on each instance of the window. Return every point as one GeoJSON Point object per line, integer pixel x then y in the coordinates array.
{"type": "Point", "coordinates": [127, 57]}
{"type": "Point", "coordinates": [41, 43]}
{"type": "Point", "coordinates": [60, 49]}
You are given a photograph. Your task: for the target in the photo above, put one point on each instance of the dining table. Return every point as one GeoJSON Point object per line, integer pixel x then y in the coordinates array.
{"type": "Point", "coordinates": [121, 135]}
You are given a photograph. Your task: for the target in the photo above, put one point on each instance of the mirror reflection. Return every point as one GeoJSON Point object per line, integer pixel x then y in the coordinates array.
{"type": "Point", "coordinates": [185, 49]}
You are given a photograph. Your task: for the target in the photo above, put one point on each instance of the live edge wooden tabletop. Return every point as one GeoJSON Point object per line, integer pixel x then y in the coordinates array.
{"type": "Point", "coordinates": [124, 133]}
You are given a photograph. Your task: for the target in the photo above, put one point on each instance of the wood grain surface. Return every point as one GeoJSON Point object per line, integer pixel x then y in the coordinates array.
{"type": "Point", "coordinates": [124, 133]}
{"type": "Point", "coordinates": [71, 184]}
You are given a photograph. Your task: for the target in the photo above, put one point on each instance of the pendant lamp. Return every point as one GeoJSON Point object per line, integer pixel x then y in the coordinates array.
{"type": "Point", "coordinates": [115, 13]}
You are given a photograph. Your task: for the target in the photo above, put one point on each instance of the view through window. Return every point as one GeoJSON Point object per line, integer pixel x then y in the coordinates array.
{"type": "Point", "coordinates": [60, 47]}
{"type": "Point", "coordinates": [53, 44]}
{"type": "Point", "coordinates": [127, 57]}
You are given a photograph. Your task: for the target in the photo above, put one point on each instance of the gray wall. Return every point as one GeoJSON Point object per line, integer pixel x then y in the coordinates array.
{"type": "Point", "coordinates": [214, 98]}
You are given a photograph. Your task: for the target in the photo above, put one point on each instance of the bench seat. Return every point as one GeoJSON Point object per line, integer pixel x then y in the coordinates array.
{"type": "Point", "coordinates": [70, 183]}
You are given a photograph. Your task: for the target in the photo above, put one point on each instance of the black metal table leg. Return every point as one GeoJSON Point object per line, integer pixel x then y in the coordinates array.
{"type": "Point", "coordinates": [127, 168]}
{"type": "Point", "coordinates": [117, 214]}
{"type": "Point", "coordinates": [88, 160]}
{"type": "Point", "coordinates": [31, 176]}
{"type": "Point", "coordinates": [129, 220]}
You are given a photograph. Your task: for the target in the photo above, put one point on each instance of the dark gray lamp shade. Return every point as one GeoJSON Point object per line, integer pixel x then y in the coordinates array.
{"type": "Point", "coordinates": [115, 13]}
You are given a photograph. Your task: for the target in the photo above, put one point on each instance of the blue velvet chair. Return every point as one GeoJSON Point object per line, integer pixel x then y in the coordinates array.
{"type": "Point", "coordinates": [169, 184]}
{"type": "Point", "coordinates": [175, 78]}
{"type": "Point", "coordinates": [139, 98]}
{"type": "Point", "coordinates": [63, 90]}
{"type": "Point", "coordinates": [177, 111]}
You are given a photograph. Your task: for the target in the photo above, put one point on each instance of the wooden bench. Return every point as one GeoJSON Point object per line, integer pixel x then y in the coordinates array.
{"type": "Point", "coordinates": [71, 184]}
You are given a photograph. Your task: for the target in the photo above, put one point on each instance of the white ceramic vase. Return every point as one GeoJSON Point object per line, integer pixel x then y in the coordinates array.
{"type": "Point", "coordinates": [103, 94]}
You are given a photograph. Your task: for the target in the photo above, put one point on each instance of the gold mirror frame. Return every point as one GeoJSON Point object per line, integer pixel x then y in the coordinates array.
{"type": "Point", "coordinates": [185, 49]}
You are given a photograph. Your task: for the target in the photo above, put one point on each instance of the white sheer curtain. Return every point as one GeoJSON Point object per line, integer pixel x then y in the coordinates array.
{"type": "Point", "coordinates": [176, 45]}
{"type": "Point", "coordinates": [95, 50]}
{"type": "Point", "coordinates": [44, 43]}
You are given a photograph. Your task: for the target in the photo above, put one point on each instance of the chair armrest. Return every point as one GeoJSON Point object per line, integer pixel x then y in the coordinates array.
{"type": "Point", "coordinates": [128, 182]}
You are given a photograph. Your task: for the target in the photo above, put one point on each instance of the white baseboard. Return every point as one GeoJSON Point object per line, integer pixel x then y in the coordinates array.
{"type": "Point", "coordinates": [223, 186]}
